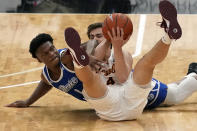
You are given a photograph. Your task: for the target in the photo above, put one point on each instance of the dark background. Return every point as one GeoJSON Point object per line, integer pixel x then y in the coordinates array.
{"type": "Point", "coordinates": [93, 6]}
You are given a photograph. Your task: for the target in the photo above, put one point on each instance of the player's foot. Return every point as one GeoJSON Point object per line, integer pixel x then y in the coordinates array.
{"type": "Point", "coordinates": [192, 68]}
{"type": "Point", "coordinates": [170, 22]}
{"type": "Point", "coordinates": [73, 41]}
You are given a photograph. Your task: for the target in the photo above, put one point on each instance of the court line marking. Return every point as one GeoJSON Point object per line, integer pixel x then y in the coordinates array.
{"type": "Point", "coordinates": [140, 35]}
{"type": "Point", "coordinates": [23, 84]}
{"type": "Point", "coordinates": [142, 23]}
{"type": "Point", "coordinates": [22, 72]}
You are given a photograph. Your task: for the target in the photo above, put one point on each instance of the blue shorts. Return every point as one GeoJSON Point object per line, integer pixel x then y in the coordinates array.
{"type": "Point", "coordinates": [157, 95]}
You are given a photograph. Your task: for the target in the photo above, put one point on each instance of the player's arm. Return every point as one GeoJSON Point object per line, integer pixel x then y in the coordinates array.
{"type": "Point", "coordinates": [42, 88]}
{"type": "Point", "coordinates": [123, 65]}
{"type": "Point", "coordinates": [102, 49]}
{"type": "Point", "coordinates": [84, 45]}
{"type": "Point", "coordinates": [123, 59]}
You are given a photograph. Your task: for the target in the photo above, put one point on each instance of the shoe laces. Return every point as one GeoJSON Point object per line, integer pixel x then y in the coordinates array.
{"type": "Point", "coordinates": [163, 25]}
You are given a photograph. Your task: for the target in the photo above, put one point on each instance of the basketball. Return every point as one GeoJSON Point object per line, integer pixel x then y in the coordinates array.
{"type": "Point", "coordinates": [117, 20]}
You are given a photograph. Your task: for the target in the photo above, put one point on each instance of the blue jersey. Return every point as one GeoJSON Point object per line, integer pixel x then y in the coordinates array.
{"type": "Point", "coordinates": [68, 81]}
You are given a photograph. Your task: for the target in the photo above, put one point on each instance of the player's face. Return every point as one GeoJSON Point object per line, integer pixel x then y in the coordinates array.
{"type": "Point", "coordinates": [97, 34]}
{"type": "Point", "coordinates": [48, 54]}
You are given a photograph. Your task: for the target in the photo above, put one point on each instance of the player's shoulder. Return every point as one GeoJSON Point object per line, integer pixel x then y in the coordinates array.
{"type": "Point", "coordinates": [44, 79]}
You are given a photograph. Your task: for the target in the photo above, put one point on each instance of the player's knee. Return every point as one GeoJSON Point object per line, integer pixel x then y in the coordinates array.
{"type": "Point", "coordinates": [175, 100]}
{"type": "Point", "coordinates": [172, 95]}
{"type": "Point", "coordinates": [193, 74]}
{"type": "Point", "coordinates": [195, 77]}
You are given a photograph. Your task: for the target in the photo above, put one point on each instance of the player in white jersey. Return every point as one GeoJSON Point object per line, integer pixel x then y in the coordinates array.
{"type": "Point", "coordinates": [161, 94]}
{"type": "Point", "coordinates": [124, 101]}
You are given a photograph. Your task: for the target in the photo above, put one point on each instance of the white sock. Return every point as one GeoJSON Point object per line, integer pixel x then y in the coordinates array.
{"type": "Point", "coordinates": [179, 92]}
{"type": "Point", "coordinates": [166, 39]}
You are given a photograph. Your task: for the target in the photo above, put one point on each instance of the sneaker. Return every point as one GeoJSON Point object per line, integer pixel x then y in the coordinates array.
{"type": "Point", "coordinates": [192, 68]}
{"type": "Point", "coordinates": [170, 22]}
{"type": "Point", "coordinates": [73, 41]}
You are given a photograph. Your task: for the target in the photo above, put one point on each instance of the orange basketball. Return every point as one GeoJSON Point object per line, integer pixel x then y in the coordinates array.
{"type": "Point", "coordinates": [120, 20]}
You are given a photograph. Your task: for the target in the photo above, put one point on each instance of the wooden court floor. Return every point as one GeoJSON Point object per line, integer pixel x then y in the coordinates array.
{"type": "Point", "coordinates": [57, 111]}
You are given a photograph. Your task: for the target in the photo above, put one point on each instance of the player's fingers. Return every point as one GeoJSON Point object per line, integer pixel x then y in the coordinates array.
{"type": "Point", "coordinates": [122, 32]}
{"type": "Point", "coordinates": [118, 32]}
{"type": "Point", "coordinates": [113, 32]}
{"type": "Point", "coordinates": [103, 41]}
{"type": "Point", "coordinates": [109, 34]}
{"type": "Point", "coordinates": [11, 105]}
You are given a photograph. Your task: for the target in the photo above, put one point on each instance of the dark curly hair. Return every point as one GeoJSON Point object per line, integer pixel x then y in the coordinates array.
{"type": "Point", "coordinates": [37, 42]}
{"type": "Point", "coordinates": [93, 26]}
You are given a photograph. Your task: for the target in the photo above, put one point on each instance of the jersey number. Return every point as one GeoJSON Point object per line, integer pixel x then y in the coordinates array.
{"type": "Point", "coordinates": [110, 81]}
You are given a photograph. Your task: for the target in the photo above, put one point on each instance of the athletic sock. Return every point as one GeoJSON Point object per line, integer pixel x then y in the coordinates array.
{"type": "Point", "coordinates": [166, 39]}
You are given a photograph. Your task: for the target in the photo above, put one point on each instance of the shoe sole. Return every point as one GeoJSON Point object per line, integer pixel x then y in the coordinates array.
{"type": "Point", "coordinates": [73, 41]}
{"type": "Point", "coordinates": [192, 68]}
{"type": "Point", "coordinates": [169, 12]}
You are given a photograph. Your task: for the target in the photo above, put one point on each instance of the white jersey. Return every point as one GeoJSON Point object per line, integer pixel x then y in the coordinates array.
{"type": "Point", "coordinates": [122, 101]}
{"type": "Point", "coordinates": [108, 71]}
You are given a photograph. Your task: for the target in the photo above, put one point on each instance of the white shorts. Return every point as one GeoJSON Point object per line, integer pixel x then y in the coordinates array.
{"type": "Point", "coordinates": [121, 102]}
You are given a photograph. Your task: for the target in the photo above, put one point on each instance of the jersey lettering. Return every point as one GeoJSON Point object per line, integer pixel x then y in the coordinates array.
{"type": "Point", "coordinates": [71, 83]}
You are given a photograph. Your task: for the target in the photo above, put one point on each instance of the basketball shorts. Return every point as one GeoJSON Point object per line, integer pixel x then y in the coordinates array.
{"type": "Point", "coordinates": [157, 95]}
{"type": "Point", "coordinates": [121, 102]}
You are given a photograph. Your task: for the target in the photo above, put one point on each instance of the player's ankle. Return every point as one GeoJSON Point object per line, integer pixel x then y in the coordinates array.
{"type": "Point", "coordinates": [77, 65]}
{"type": "Point", "coordinates": [166, 39]}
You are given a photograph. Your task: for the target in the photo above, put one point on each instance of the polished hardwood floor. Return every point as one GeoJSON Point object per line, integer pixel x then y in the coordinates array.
{"type": "Point", "coordinates": [57, 111]}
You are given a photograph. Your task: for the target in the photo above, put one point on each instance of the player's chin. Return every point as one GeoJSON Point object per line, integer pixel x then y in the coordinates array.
{"type": "Point", "coordinates": [55, 60]}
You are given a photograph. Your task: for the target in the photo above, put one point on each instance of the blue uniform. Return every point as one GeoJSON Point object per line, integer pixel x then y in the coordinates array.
{"type": "Point", "coordinates": [69, 83]}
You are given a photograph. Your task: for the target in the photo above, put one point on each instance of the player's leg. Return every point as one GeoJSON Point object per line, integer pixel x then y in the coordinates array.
{"type": "Point", "coordinates": [179, 91]}
{"type": "Point", "coordinates": [92, 83]}
{"type": "Point", "coordinates": [173, 93]}
{"type": "Point", "coordinates": [107, 101]}
{"type": "Point", "coordinates": [143, 70]}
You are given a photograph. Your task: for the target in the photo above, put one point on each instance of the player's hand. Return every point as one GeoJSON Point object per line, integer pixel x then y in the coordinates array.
{"type": "Point", "coordinates": [18, 104]}
{"type": "Point", "coordinates": [117, 37]}
{"type": "Point", "coordinates": [95, 64]}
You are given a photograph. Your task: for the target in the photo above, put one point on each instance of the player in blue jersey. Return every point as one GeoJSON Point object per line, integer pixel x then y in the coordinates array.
{"type": "Point", "coordinates": [58, 70]}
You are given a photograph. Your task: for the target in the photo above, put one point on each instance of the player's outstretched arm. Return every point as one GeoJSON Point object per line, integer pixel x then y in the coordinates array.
{"type": "Point", "coordinates": [40, 91]}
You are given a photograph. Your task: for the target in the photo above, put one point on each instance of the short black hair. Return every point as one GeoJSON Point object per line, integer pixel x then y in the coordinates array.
{"type": "Point", "coordinates": [93, 26]}
{"type": "Point", "coordinates": [37, 42]}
